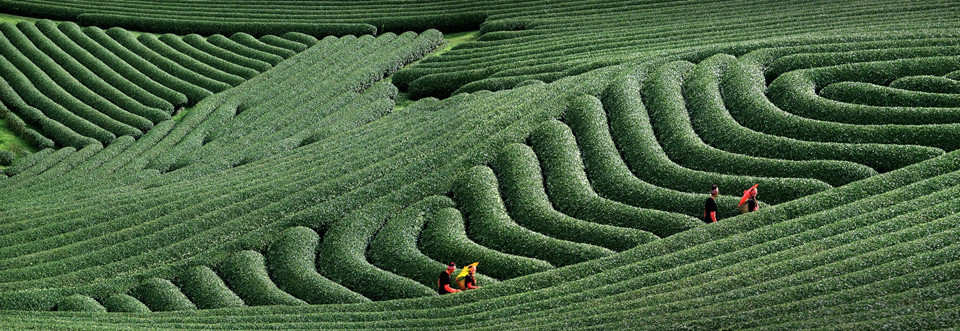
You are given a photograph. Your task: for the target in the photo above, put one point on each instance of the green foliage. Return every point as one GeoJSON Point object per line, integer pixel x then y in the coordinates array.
{"type": "Point", "coordinates": [79, 302]}
{"type": "Point", "coordinates": [161, 295]}
{"type": "Point", "coordinates": [206, 290]}
{"type": "Point", "coordinates": [246, 274]}
{"type": "Point", "coordinates": [6, 158]}
{"type": "Point", "coordinates": [292, 264]}
{"type": "Point", "coordinates": [125, 304]}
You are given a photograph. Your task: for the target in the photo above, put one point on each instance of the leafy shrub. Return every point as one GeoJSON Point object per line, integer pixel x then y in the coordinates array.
{"type": "Point", "coordinates": [925, 83]}
{"type": "Point", "coordinates": [79, 302]}
{"type": "Point", "coordinates": [161, 295]}
{"type": "Point", "coordinates": [489, 225]}
{"type": "Point", "coordinates": [521, 184]}
{"type": "Point", "coordinates": [444, 238]}
{"type": "Point", "coordinates": [246, 274]}
{"type": "Point", "coordinates": [125, 304]}
{"type": "Point", "coordinates": [292, 263]}
{"type": "Point", "coordinates": [571, 193]}
{"type": "Point", "coordinates": [6, 158]}
{"type": "Point", "coordinates": [206, 290]}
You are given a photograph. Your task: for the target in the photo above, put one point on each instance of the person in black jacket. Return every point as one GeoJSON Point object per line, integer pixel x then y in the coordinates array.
{"type": "Point", "coordinates": [443, 284]}
{"type": "Point", "coordinates": [710, 207]}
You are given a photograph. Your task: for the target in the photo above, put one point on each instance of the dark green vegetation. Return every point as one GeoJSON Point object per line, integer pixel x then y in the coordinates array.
{"type": "Point", "coordinates": [292, 196]}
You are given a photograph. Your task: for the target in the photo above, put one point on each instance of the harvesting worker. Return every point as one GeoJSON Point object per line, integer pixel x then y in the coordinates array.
{"type": "Point", "coordinates": [443, 284]}
{"type": "Point", "coordinates": [748, 203]}
{"type": "Point", "coordinates": [467, 279]}
{"type": "Point", "coordinates": [710, 207]}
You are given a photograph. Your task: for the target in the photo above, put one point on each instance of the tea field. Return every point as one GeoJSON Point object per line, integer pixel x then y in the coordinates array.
{"type": "Point", "coordinates": [314, 164]}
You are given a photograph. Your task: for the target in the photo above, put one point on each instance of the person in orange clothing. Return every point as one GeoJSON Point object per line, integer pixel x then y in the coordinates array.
{"type": "Point", "coordinates": [443, 284]}
{"type": "Point", "coordinates": [467, 279]}
{"type": "Point", "coordinates": [748, 203]}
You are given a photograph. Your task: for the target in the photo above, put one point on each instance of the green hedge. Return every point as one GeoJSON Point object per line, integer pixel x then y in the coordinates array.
{"type": "Point", "coordinates": [249, 41]}
{"type": "Point", "coordinates": [489, 224]}
{"type": "Point", "coordinates": [206, 290]}
{"type": "Point", "coordinates": [284, 43]}
{"type": "Point", "coordinates": [291, 261]}
{"type": "Point", "coordinates": [302, 38]}
{"type": "Point", "coordinates": [208, 27]}
{"type": "Point", "coordinates": [79, 302]}
{"type": "Point", "coordinates": [200, 43]}
{"type": "Point", "coordinates": [189, 62]}
{"type": "Point", "coordinates": [521, 184]}
{"type": "Point", "coordinates": [444, 238]}
{"type": "Point", "coordinates": [926, 83]}
{"type": "Point", "coordinates": [342, 257]}
{"type": "Point", "coordinates": [122, 303]}
{"type": "Point", "coordinates": [92, 54]}
{"type": "Point", "coordinates": [667, 105]}
{"type": "Point", "coordinates": [161, 295]}
{"type": "Point", "coordinates": [246, 274]}
{"type": "Point", "coordinates": [571, 193]}
{"type": "Point", "coordinates": [237, 48]}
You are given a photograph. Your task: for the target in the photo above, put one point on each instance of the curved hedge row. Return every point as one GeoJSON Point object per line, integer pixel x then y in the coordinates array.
{"type": "Point", "coordinates": [926, 83]}
{"type": "Point", "coordinates": [667, 107]}
{"type": "Point", "coordinates": [246, 274]}
{"type": "Point", "coordinates": [79, 302]}
{"type": "Point", "coordinates": [206, 290]}
{"type": "Point", "coordinates": [125, 304]}
{"type": "Point", "coordinates": [161, 295]}
{"type": "Point", "coordinates": [489, 224]}
{"type": "Point", "coordinates": [521, 184]}
{"type": "Point", "coordinates": [444, 238]}
{"type": "Point", "coordinates": [292, 263]}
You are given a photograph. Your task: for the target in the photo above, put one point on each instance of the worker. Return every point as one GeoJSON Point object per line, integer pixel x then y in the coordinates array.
{"type": "Point", "coordinates": [467, 279]}
{"type": "Point", "coordinates": [748, 203]}
{"type": "Point", "coordinates": [710, 207]}
{"type": "Point", "coordinates": [443, 284]}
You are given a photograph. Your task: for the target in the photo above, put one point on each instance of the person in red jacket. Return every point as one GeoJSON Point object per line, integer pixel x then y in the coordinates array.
{"type": "Point", "coordinates": [443, 284]}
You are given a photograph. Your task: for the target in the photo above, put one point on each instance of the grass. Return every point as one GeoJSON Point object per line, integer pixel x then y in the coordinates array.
{"type": "Point", "coordinates": [10, 141]}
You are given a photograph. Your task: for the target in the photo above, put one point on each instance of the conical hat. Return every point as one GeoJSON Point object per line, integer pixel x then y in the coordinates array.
{"type": "Point", "coordinates": [749, 193]}
{"type": "Point", "coordinates": [466, 269]}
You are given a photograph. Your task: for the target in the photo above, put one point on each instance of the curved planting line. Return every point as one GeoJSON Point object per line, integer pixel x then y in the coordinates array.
{"type": "Point", "coordinates": [100, 39]}
{"type": "Point", "coordinates": [342, 257]}
{"type": "Point", "coordinates": [202, 44]}
{"type": "Point", "coordinates": [521, 184]}
{"type": "Point", "coordinates": [103, 96]}
{"type": "Point", "coordinates": [161, 295]}
{"type": "Point", "coordinates": [444, 238]}
{"type": "Point", "coordinates": [79, 302]}
{"type": "Point", "coordinates": [189, 63]}
{"type": "Point", "coordinates": [922, 107]}
{"type": "Point", "coordinates": [761, 115]}
{"type": "Point", "coordinates": [488, 224]}
{"type": "Point", "coordinates": [250, 41]}
{"type": "Point", "coordinates": [97, 66]}
{"type": "Point", "coordinates": [926, 83]}
{"type": "Point", "coordinates": [206, 290]}
{"type": "Point", "coordinates": [71, 93]}
{"type": "Point", "coordinates": [715, 125]}
{"type": "Point", "coordinates": [182, 47]}
{"type": "Point", "coordinates": [671, 124]}
{"type": "Point", "coordinates": [134, 44]}
{"type": "Point", "coordinates": [796, 93]}
{"type": "Point", "coordinates": [245, 273]}
{"type": "Point", "coordinates": [633, 135]}
{"type": "Point", "coordinates": [125, 304]}
{"type": "Point", "coordinates": [284, 43]}
{"type": "Point", "coordinates": [395, 246]}
{"type": "Point", "coordinates": [136, 78]}
{"type": "Point", "coordinates": [232, 46]}
{"type": "Point", "coordinates": [568, 188]}
{"type": "Point", "coordinates": [291, 261]}
{"type": "Point", "coordinates": [299, 37]}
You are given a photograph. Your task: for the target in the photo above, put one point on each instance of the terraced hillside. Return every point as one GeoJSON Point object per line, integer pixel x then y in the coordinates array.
{"type": "Point", "coordinates": [568, 150]}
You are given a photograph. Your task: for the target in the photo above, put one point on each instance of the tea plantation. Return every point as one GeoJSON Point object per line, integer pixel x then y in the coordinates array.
{"type": "Point", "coordinates": [314, 164]}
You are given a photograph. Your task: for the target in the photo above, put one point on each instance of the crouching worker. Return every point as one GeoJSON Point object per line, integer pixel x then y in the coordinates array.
{"type": "Point", "coordinates": [443, 284]}
{"type": "Point", "coordinates": [748, 203]}
{"type": "Point", "coordinates": [710, 207]}
{"type": "Point", "coordinates": [467, 279]}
